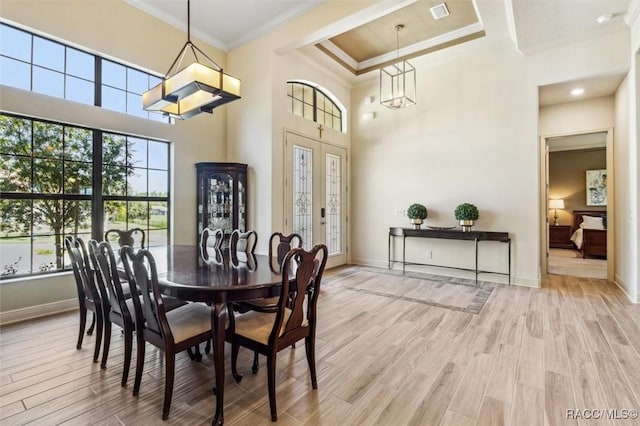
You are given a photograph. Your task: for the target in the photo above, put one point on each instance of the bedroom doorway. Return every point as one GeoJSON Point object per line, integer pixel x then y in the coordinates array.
{"type": "Point", "coordinates": [569, 161]}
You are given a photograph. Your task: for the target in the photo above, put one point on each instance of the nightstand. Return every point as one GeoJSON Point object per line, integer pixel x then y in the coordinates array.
{"type": "Point", "coordinates": [560, 236]}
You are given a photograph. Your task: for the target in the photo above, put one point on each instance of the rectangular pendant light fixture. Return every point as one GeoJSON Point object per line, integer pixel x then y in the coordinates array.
{"type": "Point", "coordinates": [196, 88]}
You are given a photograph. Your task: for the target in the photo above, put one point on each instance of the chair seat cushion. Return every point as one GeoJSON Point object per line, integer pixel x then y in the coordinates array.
{"type": "Point", "coordinates": [257, 326]}
{"type": "Point", "coordinates": [189, 320]}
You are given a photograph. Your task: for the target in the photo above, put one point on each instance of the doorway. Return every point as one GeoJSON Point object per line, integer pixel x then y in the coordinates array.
{"type": "Point", "coordinates": [315, 194]}
{"type": "Point", "coordinates": [566, 161]}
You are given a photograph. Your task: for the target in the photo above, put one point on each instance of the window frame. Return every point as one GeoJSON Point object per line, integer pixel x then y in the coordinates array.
{"type": "Point", "coordinates": [96, 197]}
{"type": "Point", "coordinates": [98, 84]}
{"type": "Point", "coordinates": [316, 108]}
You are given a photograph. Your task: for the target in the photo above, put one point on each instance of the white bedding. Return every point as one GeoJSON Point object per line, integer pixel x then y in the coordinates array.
{"type": "Point", "coordinates": [577, 238]}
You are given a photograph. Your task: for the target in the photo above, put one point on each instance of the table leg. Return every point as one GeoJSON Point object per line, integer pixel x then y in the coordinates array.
{"type": "Point", "coordinates": [404, 249]}
{"type": "Point", "coordinates": [218, 315]}
{"type": "Point", "coordinates": [476, 261]}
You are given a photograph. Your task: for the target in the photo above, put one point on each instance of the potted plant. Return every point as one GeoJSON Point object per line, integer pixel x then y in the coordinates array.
{"type": "Point", "coordinates": [417, 213]}
{"type": "Point", "coordinates": [466, 213]}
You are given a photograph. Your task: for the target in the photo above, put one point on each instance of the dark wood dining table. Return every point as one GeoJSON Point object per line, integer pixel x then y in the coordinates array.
{"type": "Point", "coordinates": [185, 274]}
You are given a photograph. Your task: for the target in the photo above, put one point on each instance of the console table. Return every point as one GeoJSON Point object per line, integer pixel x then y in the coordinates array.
{"type": "Point", "coordinates": [449, 234]}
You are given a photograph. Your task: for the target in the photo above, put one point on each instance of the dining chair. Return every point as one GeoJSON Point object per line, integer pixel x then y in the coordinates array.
{"type": "Point", "coordinates": [295, 318]}
{"type": "Point", "coordinates": [211, 244]}
{"type": "Point", "coordinates": [280, 245]}
{"type": "Point", "coordinates": [241, 244]}
{"type": "Point", "coordinates": [134, 237]}
{"type": "Point", "coordinates": [88, 294]}
{"type": "Point", "coordinates": [170, 331]}
{"type": "Point", "coordinates": [118, 304]}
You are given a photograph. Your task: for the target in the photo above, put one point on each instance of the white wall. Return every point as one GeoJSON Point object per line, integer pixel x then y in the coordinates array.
{"type": "Point", "coordinates": [623, 168]}
{"type": "Point", "coordinates": [471, 137]}
{"type": "Point", "coordinates": [117, 30]}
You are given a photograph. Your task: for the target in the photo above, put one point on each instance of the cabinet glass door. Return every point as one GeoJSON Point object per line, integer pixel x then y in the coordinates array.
{"type": "Point", "coordinates": [220, 208]}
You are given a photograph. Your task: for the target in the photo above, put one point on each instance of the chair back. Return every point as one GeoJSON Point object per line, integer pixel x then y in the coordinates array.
{"type": "Point", "coordinates": [211, 244]}
{"type": "Point", "coordinates": [284, 244]}
{"type": "Point", "coordinates": [82, 272]}
{"type": "Point", "coordinates": [242, 244]}
{"type": "Point", "coordinates": [134, 237]}
{"type": "Point", "coordinates": [145, 275]}
{"type": "Point", "coordinates": [307, 267]}
{"type": "Point", "coordinates": [105, 265]}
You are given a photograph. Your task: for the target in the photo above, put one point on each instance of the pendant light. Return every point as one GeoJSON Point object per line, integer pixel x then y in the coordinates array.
{"type": "Point", "coordinates": [398, 81]}
{"type": "Point", "coordinates": [185, 92]}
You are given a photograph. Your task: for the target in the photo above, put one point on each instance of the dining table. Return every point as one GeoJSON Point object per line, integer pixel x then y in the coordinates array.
{"type": "Point", "coordinates": [216, 278]}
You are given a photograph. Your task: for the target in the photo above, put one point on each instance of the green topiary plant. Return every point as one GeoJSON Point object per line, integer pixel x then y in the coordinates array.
{"type": "Point", "coordinates": [417, 211]}
{"type": "Point", "coordinates": [466, 211]}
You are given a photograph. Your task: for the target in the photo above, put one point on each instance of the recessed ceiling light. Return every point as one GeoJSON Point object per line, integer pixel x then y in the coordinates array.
{"type": "Point", "coordinates": [577, 92]}
{"type": "Point", "coordinates": [439, 11]}
{"type": "Point", "coordinates": [603, 19]}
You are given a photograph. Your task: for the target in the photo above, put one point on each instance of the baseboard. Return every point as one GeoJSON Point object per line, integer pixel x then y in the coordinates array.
{"type": "Point", "coordinates": [620, 283]}
{"type": "Point", "coordinates": [37, 311]}
{"type": "Point", "coordinates": [497, 279]}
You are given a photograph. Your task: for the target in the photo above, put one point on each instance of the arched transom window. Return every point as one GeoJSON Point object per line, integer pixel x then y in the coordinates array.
{"type": "Point", "coordinates": [311, 102]}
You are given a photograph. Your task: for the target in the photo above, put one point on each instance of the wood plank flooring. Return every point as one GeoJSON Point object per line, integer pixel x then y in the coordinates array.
{"type": "Point", "coordinates": [525, 359]}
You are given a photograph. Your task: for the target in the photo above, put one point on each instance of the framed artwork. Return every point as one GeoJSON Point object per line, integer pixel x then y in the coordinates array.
{"type": "Point", "coordinates": [596, 187]}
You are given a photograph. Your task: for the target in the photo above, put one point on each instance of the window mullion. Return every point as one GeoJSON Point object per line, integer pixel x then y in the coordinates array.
{"type": "Point", "coordinates": [97, 203]}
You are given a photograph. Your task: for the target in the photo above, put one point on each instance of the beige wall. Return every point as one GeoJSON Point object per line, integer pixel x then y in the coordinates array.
{"type": "Point", "coordinates": [567, 180]}
{"type": "Point", "coordinates": [115, 29]}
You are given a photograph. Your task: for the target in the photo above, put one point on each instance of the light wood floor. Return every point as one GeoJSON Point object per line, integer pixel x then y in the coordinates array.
{"type": "Point", "coordinates": [526, 358]}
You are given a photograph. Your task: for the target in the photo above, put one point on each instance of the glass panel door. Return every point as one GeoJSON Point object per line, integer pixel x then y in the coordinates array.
{"type": "Point", "coordinates": [315, 194]}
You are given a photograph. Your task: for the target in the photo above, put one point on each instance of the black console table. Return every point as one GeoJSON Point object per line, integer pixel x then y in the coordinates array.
{"type": "Point", "coordinates": [449, 234]}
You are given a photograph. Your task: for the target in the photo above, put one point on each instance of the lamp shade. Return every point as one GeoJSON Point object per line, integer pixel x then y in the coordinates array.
{"type": "Point", "coordinates": [556, 204]}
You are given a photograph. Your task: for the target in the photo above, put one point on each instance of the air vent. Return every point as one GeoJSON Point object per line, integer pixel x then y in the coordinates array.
{"type": "Point", "coordinates": [439, 11]}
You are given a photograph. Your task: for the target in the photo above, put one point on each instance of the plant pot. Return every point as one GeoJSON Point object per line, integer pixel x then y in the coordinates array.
{"type": "Point", "coordinates": [466, 225]}
{"type": "Point", "coordinates": [416, 223]}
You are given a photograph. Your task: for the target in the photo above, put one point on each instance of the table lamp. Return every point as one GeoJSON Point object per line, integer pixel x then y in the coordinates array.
{"type": "Point", "coordinates": [555, 205]}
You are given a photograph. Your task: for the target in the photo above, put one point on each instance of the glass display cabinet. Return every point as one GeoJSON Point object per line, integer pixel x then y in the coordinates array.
{"type": "Point", "coordinates": [222, 197]}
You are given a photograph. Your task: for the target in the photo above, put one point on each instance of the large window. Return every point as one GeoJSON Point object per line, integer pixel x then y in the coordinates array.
{"type": "Point", "coordinates": [310, 102]}
{"type": "Point", "coordinates": [38, 64]}
{"type": "Point", "coordinates": [51, 187]}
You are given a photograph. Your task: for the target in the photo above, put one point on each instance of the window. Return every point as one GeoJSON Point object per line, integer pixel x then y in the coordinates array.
{"type": "Point", "coordinates": [310, 102]}
{"type": "Point", "coordinates": [50, 187]}
{"type": "Point", "coordinates": [31, 62]}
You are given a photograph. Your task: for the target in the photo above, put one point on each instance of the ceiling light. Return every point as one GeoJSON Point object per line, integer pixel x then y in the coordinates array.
{"type": "Point", "coordinates": [185, 92]}
{"type": "Point", "coordinates": [577, 91]}
{"type": "Point", "coordinates": [439, 11]}
{"type": "Point", "coordinates": [398, 81]}
{"type": "Point", "coordinates": [603, 19]}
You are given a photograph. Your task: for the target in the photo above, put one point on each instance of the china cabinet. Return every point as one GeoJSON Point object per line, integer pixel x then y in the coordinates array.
{"type": "Point", "coordinates": [222, 197]}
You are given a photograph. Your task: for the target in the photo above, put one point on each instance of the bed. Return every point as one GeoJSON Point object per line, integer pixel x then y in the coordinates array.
{"type": "Point", "coordinates": [591, 237]}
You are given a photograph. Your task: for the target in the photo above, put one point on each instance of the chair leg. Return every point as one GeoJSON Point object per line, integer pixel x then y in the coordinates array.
{"type": "Point", "coordinates": [235, 348]}
{"type": "Point", "coordinates": [107, 343]}
{"type": "Point", "coordinates": [83, 324]}
{"type": "Point", "coordinates": [170, 364]}
{"type": "Point", "coordinates": [139, 362]}
{"type": "Point", "coordinates": [128, 346]}
{"type": "Point", "coordinates": [309, 344]}
{"type": "Point", "coordinates": [256, 364]}
{"type": "Point", "coordinates": [100, 326]}
{"type": "Point", "coordinates": [271, 380]}
{"type": "Point", "coordinates": [93, 324]}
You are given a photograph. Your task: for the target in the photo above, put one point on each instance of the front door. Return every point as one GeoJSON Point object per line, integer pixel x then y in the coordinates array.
{"type": "Point", "coordinates": [315, 194]}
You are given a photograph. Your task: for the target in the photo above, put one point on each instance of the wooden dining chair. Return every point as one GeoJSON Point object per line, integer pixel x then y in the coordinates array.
{"type": "Point", "coordinates": [280, 245]}
{"type": "Point", "coordinates": [88, 294]}
{"type": "Point", "coordinates": [295, 317]}
{"type": "Point", "coordinates": [134, 237]}
{"type": "Point", "coordinates": [241, 244]}
{"type": "Point", "coordinates": [170, 331]}
{"type": "Point", "coordinates": [118, 304]}
{"type": "Point", "coordinates": [211, 244]}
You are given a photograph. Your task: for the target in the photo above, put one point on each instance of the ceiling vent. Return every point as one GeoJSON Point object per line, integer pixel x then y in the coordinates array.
{"type": "Point", "coordinates": [439, 11]}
